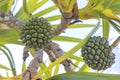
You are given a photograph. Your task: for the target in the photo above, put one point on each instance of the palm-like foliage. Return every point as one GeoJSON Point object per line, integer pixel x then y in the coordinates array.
{"type": "Point", "coordinates": [26, 11]}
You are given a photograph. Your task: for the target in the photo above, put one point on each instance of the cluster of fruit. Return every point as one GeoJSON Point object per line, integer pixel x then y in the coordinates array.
{"type": "Point", "coordinates": [97, 53]}
{"type": "Point", "coordinates": [36, 33]}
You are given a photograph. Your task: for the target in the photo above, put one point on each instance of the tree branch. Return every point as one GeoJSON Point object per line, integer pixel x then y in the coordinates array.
{"type": "Point", "coordinates": [64, 23]}
{"type": "Point", "coordinates": [34, 65]}
{"type": "Point", "coordinates": [58, 52]}
{"type": "Point", "coordinates": [66, 20]}
{"type": "Point", "coordinates": [51, 55]}
{"type": "Point", "coordinates": [10, 21]}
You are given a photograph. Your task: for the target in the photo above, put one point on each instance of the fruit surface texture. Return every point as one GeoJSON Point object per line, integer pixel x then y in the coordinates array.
{"type": "Point", "coordinates": [36, 33]}
{"type": "Point", "coordinates": [97, 53]}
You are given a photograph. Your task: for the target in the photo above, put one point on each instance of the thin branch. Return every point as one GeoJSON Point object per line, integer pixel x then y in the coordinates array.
{"type": "Point", "coordinates": [34, 65]}
{"type": "Point", "coordinates": [51, 55]}
{"type": "Point", "coordinates": [55, 48]}
{"type": "Point", "coordinates": [67, 65]}
{"type": "Point", "coordinates": [66, 20]}
{"type": "Point", "coordinates": [64, 23]}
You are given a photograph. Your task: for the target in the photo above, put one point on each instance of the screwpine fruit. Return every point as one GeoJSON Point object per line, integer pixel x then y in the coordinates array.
{"type": "Point", "coordinates": [97, 53]}
{"type": "Point", "coordinates": [36, 33]}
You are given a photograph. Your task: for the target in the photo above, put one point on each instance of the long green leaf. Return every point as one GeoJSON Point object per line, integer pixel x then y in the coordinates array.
{"type": "Point", "coordinates": [32, 52]}
{"type": "Point", "coordinates": [9, 5]}
{"type": "Point", "coordinates": [115, 26]}
{"type": "Point", "coordinates": [9, 59]}
{"type": "Point", "coordinates": [53, 18]}
{"type": "Point", "coordinates": [23, 66]}
{"type": "Point", "coordinates": [3, 3]}
{"type": "Point", "coordinates": [65, 38]}
{"type": "Point", "coordinates": [72, 51]}
{"type": "Point", "coordinates": [116, 42]}
{"type": "Point", "coordinates": [25, 8]}
{"type": "Point", "coordinates": [113, 5]}
{"type": "Point", "coordinates": [76, 58]}
{"type": "Point", "coordinates": [9, 36]}
{"type": "Point", "coordinates": [81, 25]}
{"type": "Point", "coordinates": [6, 5]}
{"type": "Point", "coordinates": [57, 67]}
{"type": "Point", "coordinates": [43, 66]}
{"type": "Point", "coordinates": [4, 67]}
{"type": "Point", "coordinates": [36, 3]}
{"type": "Point", "coordinates": [106, 28]}
{"type": "Point", "coordinates": [77, 26]}
{"type": "Point", "coordinates": [75, 65]}
{"type": "Point", "coordinates": [85, 76]}
{"type": "Point", "coordinates": [84, 68]}
{"type": "Point", "coordinates": [41, 13]}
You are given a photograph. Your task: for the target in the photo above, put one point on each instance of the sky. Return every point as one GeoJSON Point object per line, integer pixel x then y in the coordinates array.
{"type": "Point", "coordinates": [17, 50]}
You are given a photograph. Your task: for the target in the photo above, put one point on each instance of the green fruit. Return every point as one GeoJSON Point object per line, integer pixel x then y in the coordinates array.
{"type": "Point", "coordinates": [36, 33]}
{"type": "Point", "coordinates": [97, 53]}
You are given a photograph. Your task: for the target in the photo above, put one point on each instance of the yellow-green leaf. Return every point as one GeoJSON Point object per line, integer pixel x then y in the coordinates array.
{"type": "Point", "coordinates": [76, 58]}
{"type": "Point", "coordinates": [43, 66]}
{"type": "Point", "coordinates": [81, 25]}
{"type": "Point", "coordinates": [84, 68]}
{"type": "Point", "coordinates": [106, 28]}
{"type": "Point", "coordinates": [9, 36]}
{"type": "Point", "coordinates": [66, 38]}
{"type": "Point", "coordinates": [77, 26]}
{"type": "Point", "coordinates": [53, 18]}
{"type": "Point", "coordinates": [57, 67]}
{"type": "Point", "coordinates": [85, 76]}
{"type": "Point", "coordinates": [45, 11]}
{"type": "Point", "coordinates": [23, 66]}
{"type": "Point", "coordinates": [4, 67]}
{"type": "Point", "coordinates": [115, 26]}
{"type": "Point", "coordinates": [36, 3]}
